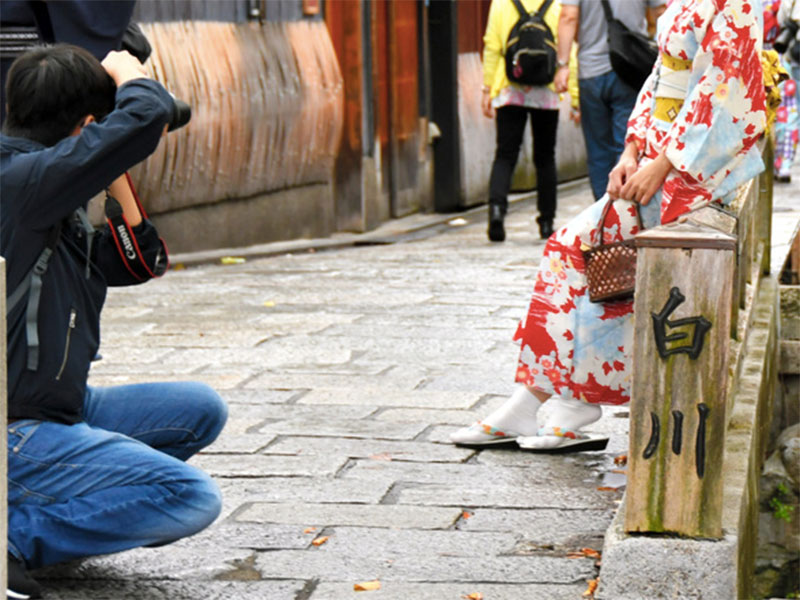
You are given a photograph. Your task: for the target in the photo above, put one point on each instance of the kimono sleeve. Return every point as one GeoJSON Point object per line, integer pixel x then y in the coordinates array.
{"type": "Point", "coordinates": [724, 112]}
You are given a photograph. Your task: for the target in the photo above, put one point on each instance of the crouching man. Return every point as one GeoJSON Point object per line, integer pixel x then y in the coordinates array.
{"type": "Point", "coordinates": [90, 470]}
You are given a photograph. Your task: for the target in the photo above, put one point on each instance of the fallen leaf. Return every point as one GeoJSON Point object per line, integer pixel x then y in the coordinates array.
{"type": "Point", "coordinates": [231, 260]}
{"type": "Point", "coordinates": [621, 460]}
{"type": "Point", "coordinates": [620, 471]}
{"type": "Point", "coordinates": [605, 488]}
{"type": "Point", "coordinates": [269, 304]}
{"type": "Point", "coordinates": [178, 267]}
{"type": "Point", "coordinates": [591, 589]}
{"type": "Point", "coordinates": [381, 456]}
{"type": "Point", "coordinates": [583, 553]}
{"type": "Point", "coordinates": [590, 553]}
{"type": "Point", "coordinates": [457, 222]}
{"type": "Point", "coordinates": [473, 596]}
{"type": "Point", "coordinates": [320, 540]}
{"type": "Point", "coordinates": [466, 515]}
{"type": "Point", "coordinates": [367, 586]}
{"type": "Point", "coordinates": [309, 530]}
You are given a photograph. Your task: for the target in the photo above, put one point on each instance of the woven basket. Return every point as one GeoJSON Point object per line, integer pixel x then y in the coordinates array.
{"type": "Point", "coordinates": [611, 268]}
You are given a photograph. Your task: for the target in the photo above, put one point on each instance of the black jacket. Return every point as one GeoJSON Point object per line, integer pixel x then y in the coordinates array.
{"type": "Point", "coordinates": [41, 187]}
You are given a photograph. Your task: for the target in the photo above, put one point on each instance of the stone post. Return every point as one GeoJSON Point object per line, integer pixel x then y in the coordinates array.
{"type": "Point", "coordinates": [683, 304]}
{"type": "Point", "coordinates": [3, 445]}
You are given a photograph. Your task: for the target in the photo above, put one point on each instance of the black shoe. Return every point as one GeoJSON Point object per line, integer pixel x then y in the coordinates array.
{"type": "Point", "coordinates": [783, 178]}
{"type": "Point", "coordinates": [20, 584]}
{"type": "Point", "coordinates": [545, 228]}
{"type": "Point", "coordinates": [497, 232]}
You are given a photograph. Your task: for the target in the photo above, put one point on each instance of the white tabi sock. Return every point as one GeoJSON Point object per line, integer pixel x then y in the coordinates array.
{"type": "Point", "coordinates": [569, 415]}
{"type": "Point", "coordinates": [517, 414]}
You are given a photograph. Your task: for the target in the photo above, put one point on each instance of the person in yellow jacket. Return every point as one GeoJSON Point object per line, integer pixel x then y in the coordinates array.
{"type": "Point", "coordinates": [511, 105]}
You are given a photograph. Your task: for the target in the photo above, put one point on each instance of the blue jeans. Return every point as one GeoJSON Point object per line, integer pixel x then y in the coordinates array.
{"type": "Point", "coordinates": [117, 480]}
{"type": "Point", "coordinates": [606, 103]}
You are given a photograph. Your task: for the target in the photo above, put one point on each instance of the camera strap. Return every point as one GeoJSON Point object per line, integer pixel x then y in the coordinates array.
{"type": "Point", "coordinates": [125, 240]}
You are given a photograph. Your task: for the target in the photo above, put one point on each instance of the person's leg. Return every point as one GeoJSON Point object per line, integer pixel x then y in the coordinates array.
{"type": "Point", "coordinates": [510, 123]}
{"type": "Point", "coordinates": [78, 490]}
{"type": "Point", "coordinates": [597, 126]}
{"type": "Point", "coordinates": [620, 98]}
{"type": "Point", "coordinates": [544, 125]}
{"type": "Point", "coordinates": [178, 418]}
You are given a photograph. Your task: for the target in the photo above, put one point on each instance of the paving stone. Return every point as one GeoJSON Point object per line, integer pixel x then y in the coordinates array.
{"type": "Point", "coordinates": [345, 428]}
{"type": "Point", "coordinates": [452, 591]}
{"type": "Point", "coordinates": [237, 492]}
{"type": "Point", "coordinates": [221, 380]}
{"type": "Point", "coordinates": [542, 526]}
{"type": "Point", "coordinates": [382, 450]}
{"type": "Point", "coordinates": [419, 398]}
{"type": "Point", "coordinates": [258, 413]}
{"type": "Point", "coordinates": [257, 397]}
{"type": "Point", "coordinates": [434, 416]}
{"type": "Point", "coordinates": [354, 555]}
{"type": "Point", "coordinates": [167, 589]}
{"type": "Point", "coordinates": [358, 515]}
{"type": "Point", "coordinates": [331, 380]}
{"type": "Point", "coordinates": [186, 559]}
{"type": "Point", "coordinates": [553, 485]}
{"type": "Point", "coordinates": [229, 442]}
{"type": "Point", "coordinates": [260, 465]}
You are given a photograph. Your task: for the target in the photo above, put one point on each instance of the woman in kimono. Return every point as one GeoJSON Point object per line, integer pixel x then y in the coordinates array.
{"type": "Point", "coordinates": [691, 137]}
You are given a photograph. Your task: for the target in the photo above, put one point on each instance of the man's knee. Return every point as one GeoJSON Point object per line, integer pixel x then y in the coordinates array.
{"type": "Point", "coordinates": [211, 409]}
{"type": "Point", "coordinates": [198, 503]}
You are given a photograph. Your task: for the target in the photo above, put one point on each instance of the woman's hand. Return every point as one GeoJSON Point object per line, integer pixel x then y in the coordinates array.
{"type": "Point", "coordinates": [628, 165]}
{"type": "Point", "coordinates": [642, 184]}
{"type": "Point", "coordinates": [486, 104]}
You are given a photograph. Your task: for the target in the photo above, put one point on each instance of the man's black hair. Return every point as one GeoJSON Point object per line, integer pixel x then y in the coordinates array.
{"type": "Point", "coordinates": [51, 88]}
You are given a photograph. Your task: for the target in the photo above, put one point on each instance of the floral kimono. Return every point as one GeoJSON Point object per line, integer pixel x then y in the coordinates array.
{"type": "Point", "coordinates": [703, 106]}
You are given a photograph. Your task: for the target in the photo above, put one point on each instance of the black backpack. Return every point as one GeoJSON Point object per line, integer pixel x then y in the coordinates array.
{"type": "Point", "coordinates": [531, 48]}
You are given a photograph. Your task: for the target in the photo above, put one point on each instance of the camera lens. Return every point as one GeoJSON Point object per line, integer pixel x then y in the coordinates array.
{"type": "Point", "coordinates": [181, 115]}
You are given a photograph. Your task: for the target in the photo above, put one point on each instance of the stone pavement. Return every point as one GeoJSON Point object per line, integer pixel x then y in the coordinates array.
{"type": "Point", "coordinates": [345, 370]}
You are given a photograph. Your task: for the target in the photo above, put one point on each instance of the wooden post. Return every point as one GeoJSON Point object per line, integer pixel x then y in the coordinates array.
{"type": "Point", "coordinates": [684, 287]}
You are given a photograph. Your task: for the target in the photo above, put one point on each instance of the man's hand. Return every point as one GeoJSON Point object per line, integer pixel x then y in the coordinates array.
{"type": "Point", "coordinates": [624, 170]}
{"type": "Point", "coordinates": [486, 104]}
{"type": "Point", "coordinates": [562, 79]}
{"type": "Point", "coordinates": [123, 67]}
{"type": "Point", "coordinates": [645, 182]}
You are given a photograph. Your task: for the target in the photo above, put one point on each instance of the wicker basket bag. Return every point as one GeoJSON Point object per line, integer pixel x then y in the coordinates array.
{"type": "Point", "coordinates": [611, 268]}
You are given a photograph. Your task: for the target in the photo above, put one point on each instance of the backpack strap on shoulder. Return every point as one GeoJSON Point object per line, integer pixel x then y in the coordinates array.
{"type": "Point", "coordinates": [543, 9]}
{"type": "Point", "coordinates": [521, 9]}
{"type": "Point", "coordinates": [32, 285]}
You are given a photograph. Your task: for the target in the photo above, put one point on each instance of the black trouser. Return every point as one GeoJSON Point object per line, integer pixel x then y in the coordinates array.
{"type": "Point", "coordinates": [511, 122]}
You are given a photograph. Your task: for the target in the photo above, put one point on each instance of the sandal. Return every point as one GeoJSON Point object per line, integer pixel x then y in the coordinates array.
{"type": "Point", "coordinates": [479, 434]}
{"type": "Point", "coordinates": [559, 440]}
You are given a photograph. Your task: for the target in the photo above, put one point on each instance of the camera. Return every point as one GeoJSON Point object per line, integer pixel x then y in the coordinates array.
{"type": "Point", "coordinates": [785, 37]}
{"type": "Point", "coordinates": [181, 114]}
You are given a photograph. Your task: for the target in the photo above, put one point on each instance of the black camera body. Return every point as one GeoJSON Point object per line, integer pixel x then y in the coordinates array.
{"type": "Point", "coordinates": [786, 37]}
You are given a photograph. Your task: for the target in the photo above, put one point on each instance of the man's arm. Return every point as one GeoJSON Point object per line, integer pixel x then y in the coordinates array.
{"type": "Point", "coordinates": [567, 32]}
{"type": "Point", "coordinates": [81, 166]}
{"type": "Point", "coordinates": [652, 13]}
